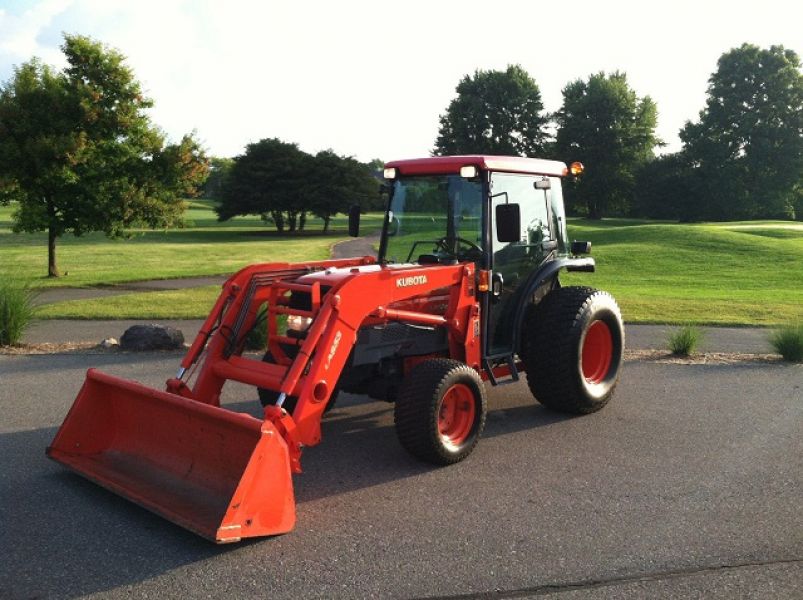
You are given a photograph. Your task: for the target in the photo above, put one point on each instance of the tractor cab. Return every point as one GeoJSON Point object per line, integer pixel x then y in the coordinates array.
{"type": "Point", "coordinates": [505, 214]}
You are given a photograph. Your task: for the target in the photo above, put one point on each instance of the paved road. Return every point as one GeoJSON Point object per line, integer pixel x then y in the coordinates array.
{"type": "Point", "coordinates": [687, 484]}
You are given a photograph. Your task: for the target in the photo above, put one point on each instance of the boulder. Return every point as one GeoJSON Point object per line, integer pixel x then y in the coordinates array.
{"type": "Point", "coordinates": [109, 343]}
{"type": "Point", "coordinates": [151, 337]}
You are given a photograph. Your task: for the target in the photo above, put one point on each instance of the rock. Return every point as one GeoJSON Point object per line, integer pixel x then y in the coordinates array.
{"type": "Point", "coordinates": [151, 337]}
{"type": "Point", "coordinates": [109, 343]}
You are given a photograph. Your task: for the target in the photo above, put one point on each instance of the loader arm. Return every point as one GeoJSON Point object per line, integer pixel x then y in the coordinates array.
{"type": "Point", "coordinates": [368, 295]}
{"type": "Point", "coordinates": [314, 372]}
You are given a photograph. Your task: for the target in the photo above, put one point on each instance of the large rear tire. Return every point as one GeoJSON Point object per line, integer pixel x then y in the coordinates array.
{"type": "Point", "coordinates": [440, 411]}
{"type": "Point", "coordinates": [572, 347]}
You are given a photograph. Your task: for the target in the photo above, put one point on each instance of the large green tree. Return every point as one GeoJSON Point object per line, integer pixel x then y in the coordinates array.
{"type": "Point", "coordinates": [495, 112]}
{"type": "Point", "coordinates": [79, 154]}
{"type": "Point", "coordinates": [219, 169]}
{"type": "Point", "coordinates": [338, 182]}
{"type": "Point", "coordinates": [747, 147]}
{"type": "Point", "coordinates": [266, 180]}
{"type": "Point", "coordinates": [606, 126]}
{"type": "Point", "coordinates": [282, 183]}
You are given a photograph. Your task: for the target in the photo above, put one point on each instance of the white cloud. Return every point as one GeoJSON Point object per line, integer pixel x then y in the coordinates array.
{"type": "Point", "coordinates": [19, 33]}
{"type": "Point", "coordinates": [371, 79]}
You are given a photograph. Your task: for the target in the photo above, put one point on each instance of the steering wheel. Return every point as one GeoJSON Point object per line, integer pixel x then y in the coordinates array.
{"type": "Point", "coordinates": [442, 244]}
{"type": "Point", "coordinates": [473, 249]}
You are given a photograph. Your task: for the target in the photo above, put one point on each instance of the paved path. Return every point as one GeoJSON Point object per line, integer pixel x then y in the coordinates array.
{"type": "Point", "coordinates": [363, 246]}
{"type": "Point", "coordinates": [687, 485]}
{"type": "Point", "coordinates": [716, 339]}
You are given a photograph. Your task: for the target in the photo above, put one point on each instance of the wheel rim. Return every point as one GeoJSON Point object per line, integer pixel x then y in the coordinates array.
{"type": "Point", "coordinates": [597, 352]}
{"type": "Point", "coordinates": [457, 414]}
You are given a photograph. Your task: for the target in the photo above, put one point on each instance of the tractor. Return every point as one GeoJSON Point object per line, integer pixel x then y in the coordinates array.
{"type": "Point", "coordinates": [464, 290]}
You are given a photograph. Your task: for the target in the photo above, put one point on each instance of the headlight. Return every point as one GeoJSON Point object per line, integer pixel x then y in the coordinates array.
{"type": "Point", "coordinates": [298, 323]}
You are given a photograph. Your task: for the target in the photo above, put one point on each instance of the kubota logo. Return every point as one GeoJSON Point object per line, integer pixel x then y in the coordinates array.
{"type": "Point", "coordinates": [332, 350]}
{"type": "Point", "coordinates": [408, 281]}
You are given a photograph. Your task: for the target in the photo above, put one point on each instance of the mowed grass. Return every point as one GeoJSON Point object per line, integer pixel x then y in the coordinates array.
{"type": "Point", "coordinates": [190, 303]}
{"type": "Point", "coordinates": [203, 247]}
{"type": "Point", "coordinates": [747, 273]}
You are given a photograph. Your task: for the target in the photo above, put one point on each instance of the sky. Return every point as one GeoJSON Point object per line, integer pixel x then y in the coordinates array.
{"type": "Point", "coordinates": [370, 79]}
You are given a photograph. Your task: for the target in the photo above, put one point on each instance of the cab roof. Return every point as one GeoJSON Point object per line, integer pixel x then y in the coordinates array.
{"type": "Point", "coordinates": [447, 165]}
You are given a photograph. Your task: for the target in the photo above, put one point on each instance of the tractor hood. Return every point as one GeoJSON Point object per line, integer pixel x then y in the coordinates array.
{"type": "Point", "coordinates": [332, 276]}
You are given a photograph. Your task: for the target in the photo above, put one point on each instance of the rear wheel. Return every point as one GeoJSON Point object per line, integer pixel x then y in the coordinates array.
{"type": "Point", "coordinates": [440, 411]}
{"type": "Point", "coordinates": [573, 343]}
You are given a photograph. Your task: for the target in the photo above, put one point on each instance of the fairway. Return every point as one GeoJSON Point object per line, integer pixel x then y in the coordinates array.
{"type": "Point", "coordinates": [742, 273]}
{"type": "Point", "coordinates": [745, 273]}
{"type": "Point", "coordinates": [203, 247]}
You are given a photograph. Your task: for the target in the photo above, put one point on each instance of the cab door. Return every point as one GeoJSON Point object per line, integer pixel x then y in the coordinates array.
{"type": "Point", "coordinates": [513, 262]}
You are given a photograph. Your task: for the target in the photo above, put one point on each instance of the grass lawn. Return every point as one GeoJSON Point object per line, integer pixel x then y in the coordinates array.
{"type": "Point", "coordinates": [203, 247]}
{"type": "Point", "coordinates": [191, 303]}
{"type": "Point", "coordinates": [746, 273]}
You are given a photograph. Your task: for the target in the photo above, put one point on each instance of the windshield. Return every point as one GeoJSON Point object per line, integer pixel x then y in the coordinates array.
{"type": "Point", "coordinates": [435, 219]}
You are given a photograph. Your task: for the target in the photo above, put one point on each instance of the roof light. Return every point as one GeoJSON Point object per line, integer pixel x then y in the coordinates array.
{"type": "Point", "coordinates": [468, 172]}
{"type": "Point", "coordinates": [576, 168]}
{"type": "Point", "coordinates": [390, 173]}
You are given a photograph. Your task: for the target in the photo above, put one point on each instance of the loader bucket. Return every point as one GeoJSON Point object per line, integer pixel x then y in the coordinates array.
{"type": "Point", "coordinates": [221, 474]}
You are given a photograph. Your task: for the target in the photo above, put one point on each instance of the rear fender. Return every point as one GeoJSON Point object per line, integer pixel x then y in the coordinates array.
{"type": "Point", "coordinates": [540, 277]}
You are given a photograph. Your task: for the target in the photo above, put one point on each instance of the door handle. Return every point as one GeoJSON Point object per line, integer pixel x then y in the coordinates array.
{"type": "Point", "coordinates": [497, 281]}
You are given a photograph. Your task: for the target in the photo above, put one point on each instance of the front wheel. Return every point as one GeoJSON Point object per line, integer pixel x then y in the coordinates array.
{"type": "Point", "coordinates": [573, 344]}
{"type": "Point", "coordinates": [440, 411]}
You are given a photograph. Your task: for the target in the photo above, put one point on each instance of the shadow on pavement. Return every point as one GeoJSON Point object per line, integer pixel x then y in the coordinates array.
{"type": "Point", "coordinates": [67, 537]}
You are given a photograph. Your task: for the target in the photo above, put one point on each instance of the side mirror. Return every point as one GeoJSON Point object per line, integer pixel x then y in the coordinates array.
{"type": "Point", "coordinates": [508, 222]}
{"type": "Point", "coordinates": [354, 221]}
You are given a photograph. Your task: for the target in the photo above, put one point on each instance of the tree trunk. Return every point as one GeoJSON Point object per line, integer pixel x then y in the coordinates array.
{"type": "Point", "coordinates": [291, 220]}
{"type": "Point", "coordinates": [594, 211]}
{"type": "Point", "coordinates": [278, 220]}
{"type": "Point", "coordinates": [326, 218]}
{"type": "Point", "coordinates": [52, 269]}
{"type": "Point", "coordinates": [302, 220]}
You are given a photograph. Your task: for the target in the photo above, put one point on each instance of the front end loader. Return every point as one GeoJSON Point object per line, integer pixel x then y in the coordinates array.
{"type": "Point", "coordinates": [464, 290]}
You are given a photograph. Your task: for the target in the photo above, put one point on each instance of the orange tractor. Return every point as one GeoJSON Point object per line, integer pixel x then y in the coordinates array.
{"type": "Point", "coordinates": [465, 290]}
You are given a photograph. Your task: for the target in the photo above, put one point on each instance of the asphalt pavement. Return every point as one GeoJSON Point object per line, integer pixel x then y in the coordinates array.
{"type": "Point", "coordinates": [688, 484]}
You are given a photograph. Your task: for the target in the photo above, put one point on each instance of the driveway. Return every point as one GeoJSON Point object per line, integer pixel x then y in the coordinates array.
{"type": "Point", "coordinates": [687, 484]}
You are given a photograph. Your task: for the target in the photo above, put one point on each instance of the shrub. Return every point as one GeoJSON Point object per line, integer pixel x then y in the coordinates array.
{"type": "Point", "coordinates": [17, 310]}
{"type": "Point", "coordinates": [788, 342]}
{"type": "Point", "coordinates": [684, 339]}
{"type": "Point", "coordinates": [257, 337]}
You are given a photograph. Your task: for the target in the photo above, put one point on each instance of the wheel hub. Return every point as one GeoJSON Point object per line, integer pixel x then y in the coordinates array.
{"type": "Point", "coordinates": [597, 352]}
{"type": "Point", "coordinates": [457, 414]}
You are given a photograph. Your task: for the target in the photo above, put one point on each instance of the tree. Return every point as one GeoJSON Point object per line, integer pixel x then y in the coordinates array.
{"type": "Point", "coordinates": [664, 189]}
{"type": "Point", "coordinates": [267, 180]}
{"type": "Point", "coordinates": [495, 112]}
{"type": "Point", "coordinates": [606, 126]}
{"type": "Point", "coordinates": [219, 169]}
{"type": "Point", "coordinates": [281, 183]}
{"type": "Point", "coordinates": [338, 182]}
{"type": "Point", "coordinates": [79, 154]}
{"type": "Point", "coordinates": [747, 147]}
